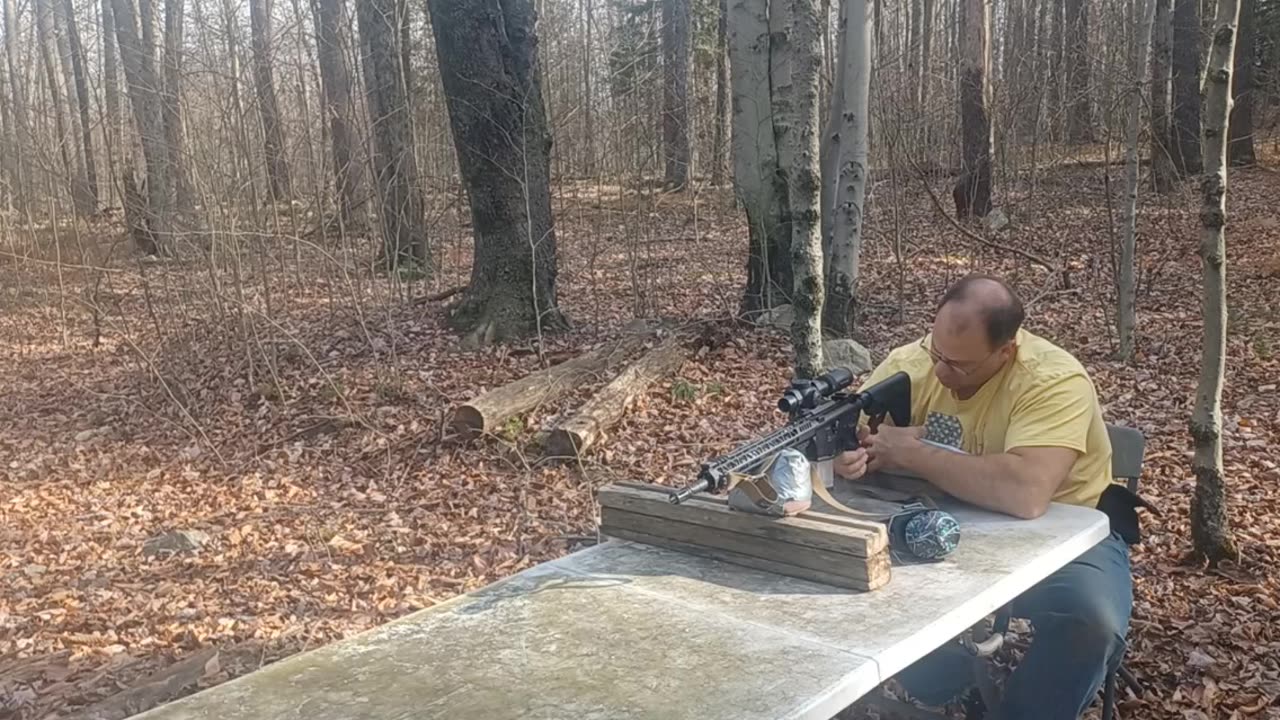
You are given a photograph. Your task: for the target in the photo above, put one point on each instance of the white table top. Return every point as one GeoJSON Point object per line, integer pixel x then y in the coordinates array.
{"type": "Point", "coordinates": [622, 630]}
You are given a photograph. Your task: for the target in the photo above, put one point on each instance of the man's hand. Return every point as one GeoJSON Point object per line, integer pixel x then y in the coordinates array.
{"type": "Point", "coordinates": [850, 464]}
{"type": "Point", "coordinates": [891, 448]}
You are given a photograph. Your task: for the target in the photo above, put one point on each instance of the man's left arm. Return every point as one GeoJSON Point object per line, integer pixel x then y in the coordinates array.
{"type": "Point", "coordinates": [1047, 433]}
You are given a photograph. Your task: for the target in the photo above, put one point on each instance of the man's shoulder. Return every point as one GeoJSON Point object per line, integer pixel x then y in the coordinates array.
{"type": "Point", "coordinates": [1042, 362]}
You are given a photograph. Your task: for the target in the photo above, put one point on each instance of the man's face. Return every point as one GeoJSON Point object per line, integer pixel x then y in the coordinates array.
{"type": "Point", "coordinates": [963, 358]}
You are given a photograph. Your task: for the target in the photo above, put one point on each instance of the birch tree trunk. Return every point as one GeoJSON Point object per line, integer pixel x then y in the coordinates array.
{"type": "Point", "coordinates": [1241, 152]}
{"type": "Point", "coordinates": [404, 236]}
{"type": "Point", "coordinates": [152, 233]}
{"type": "Point", "coordinates": [80, 76]}
{"type": "Point", "coordinates": [268, 109]}
{"type": "Point", "coordinates": [972, 192]}
{"type": "Point", "coordinates": [1186, 87]}
{"type": "Point", "coordinates": [853, 83]}
{"type": "Point", "coordinates": [1210, 527]}
{"type": "Point", "coordinates": [755, 157]}
{"type": "Point", "coordinates": [676, 52]}
{"type": "Point", "coordinates": [491, 73]}
{"type": "Point", "coordinates": [331, 48]}
{"type": "Point", "coordinates": [805, 181]}
{"type": "Point", "coordinates": [1162, 151]}
{"type": "Point", "coordinates": [1142, 11]}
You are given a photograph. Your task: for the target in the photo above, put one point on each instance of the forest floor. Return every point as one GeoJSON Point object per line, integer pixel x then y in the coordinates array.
{"type": "Point", "coordinates": [296, 416]}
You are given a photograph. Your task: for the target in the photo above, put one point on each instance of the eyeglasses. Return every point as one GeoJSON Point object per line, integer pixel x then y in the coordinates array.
{"type": "Point", "coordinates": [964, 369]}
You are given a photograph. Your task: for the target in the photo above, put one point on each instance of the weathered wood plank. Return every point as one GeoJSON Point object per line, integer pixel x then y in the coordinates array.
{"type": "Point", "coordinates": [795, 571]}
{"type": "Point", "coordinates": [842, 535]}
{"type": "Point", "coordinates": [774, 550]}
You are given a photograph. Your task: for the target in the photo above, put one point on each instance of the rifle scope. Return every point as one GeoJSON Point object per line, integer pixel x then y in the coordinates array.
{"type": "Point", "coordinates": [806, 394]}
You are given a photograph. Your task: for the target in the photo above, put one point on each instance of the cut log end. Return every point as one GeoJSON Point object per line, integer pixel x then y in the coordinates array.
{"type": "Point", "coordinates": [469, 420]}
{"type": "Point", "coordinates": [563, 443]}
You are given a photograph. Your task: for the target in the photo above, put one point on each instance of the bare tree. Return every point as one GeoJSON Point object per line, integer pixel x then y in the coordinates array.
{"type": "Point", "coordinates": [972, 192]}
{"type": "Point", "coordinates": [1162, 151]}
{"type": "Point", "coordinates": [1210, 527]}
{"type": "Point", "coordinates": [72, 167]}
{"type": "Point", "coordinates": [718, 163]}
{"type": "Point", "coordinates": [850, 116]}
{"type": "Point", "coordinates": [1142, 12]}
{"type": "Point", "coordinates": [806, 236]}
{"type": "Point", "coordinates": [171, 101]}
{"type": "Point", "coordinates": [676, 50]}
{"type": "Point", "coordinates": [268, 109]}
{"type": "Point", "coordinates": [151, 231]}
{"type": "Point", "coordinates": [80, 73]}
{"type": "Point", "coordinates": [21, 122]}
{"type": "Point", "coordinates": [1079, 101]}
{"type": "Point", "coordinates": [1240, 151]}
{"type": "Point", "coordinates": [395, 166]}
{"type": "Point", "coordinates": [331, 46]}
{"type": "Point", "coordinates": [488, 58]}
{"type": "Point", "coordinates": [111, 90]}
{"type": "Point", "coordinates": [1186, 87]}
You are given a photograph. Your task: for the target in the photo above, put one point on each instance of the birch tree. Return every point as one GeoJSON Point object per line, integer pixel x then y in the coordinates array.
{"type": "Point", "coordinates": [848, 177]}
{"type": "Point", "coordinates": [804, 183]}
{"type": "Point", "coordinates": [1142, 12]}
{"type": "Point", "coordinates": [1210, 527]}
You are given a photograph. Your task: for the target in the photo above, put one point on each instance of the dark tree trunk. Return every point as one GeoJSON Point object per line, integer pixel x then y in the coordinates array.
{"type": "Point", "coordinates": [268, 108]}
{"type": "Point", "coordinates": [1240, 151]}
{"type": "Point", "coordinates": [140, 74]}
{"type": "Point", "coordinates": [394, 165]}
{"type": "Point", "coordinates": [1162, 151]}
{"type": "Point", "coordinates": [83, 195]}
{"type": "Point", "coordinates": [489, 67]}
{"type": "Point", "coordinates": [172, 101]}
{"type": "Point", "coordinates": [331, 43]}
{"type": "Point", "coordinates": [676, 23]}
{"type": "Point", "coordinates": [972, 192]}
{"type": "Point", "coordinates": [111, 90]}
{"type": "Point", "coordinates": [1079, 105]}
{"type": "Point", "coordinates": [76, 50]}
{"type": "Point", "coordinates": [719, 164]}
{"type": "Point", "coordinates": [1186, 87]}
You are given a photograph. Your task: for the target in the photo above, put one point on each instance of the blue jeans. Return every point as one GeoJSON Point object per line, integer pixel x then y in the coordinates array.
{"type": "Point", "coordinates": [1080, 615]}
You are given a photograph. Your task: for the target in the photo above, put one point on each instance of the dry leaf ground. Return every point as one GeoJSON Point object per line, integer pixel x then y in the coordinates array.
{"type": "Point", "coordinates": [295, 416]}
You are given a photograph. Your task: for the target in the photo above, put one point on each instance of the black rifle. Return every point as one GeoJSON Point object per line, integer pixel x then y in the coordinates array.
{"type": "Point", "coordinates": [823, 423]}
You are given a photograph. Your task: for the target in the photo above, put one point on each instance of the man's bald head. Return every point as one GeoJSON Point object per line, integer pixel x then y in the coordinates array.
{"type": "Point", "coordinates": [988, 301]}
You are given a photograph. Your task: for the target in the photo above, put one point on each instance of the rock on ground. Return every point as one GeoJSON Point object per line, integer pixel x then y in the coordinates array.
{"type": "Point", "coordinates": [847, 354]}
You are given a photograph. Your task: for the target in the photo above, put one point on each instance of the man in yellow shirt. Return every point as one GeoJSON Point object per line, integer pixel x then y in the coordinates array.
{"type": "Point", "coordinates": [1028, 416]}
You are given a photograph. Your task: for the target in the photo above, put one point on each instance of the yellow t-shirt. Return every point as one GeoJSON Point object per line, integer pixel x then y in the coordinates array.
{"type": "Point", "coordinates": [1043, 397]}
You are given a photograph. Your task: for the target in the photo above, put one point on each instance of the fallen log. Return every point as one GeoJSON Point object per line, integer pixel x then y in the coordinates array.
{"type": "Point", "coordinates": [581, 430]}
{"type": "Point", "coordinates": [487, 412]}
{"type": "Point", "coordinates": [160, 687]}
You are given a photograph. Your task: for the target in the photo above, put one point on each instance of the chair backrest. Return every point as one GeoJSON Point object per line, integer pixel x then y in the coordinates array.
{"type": "Point", "coordinates": [1127, 448]}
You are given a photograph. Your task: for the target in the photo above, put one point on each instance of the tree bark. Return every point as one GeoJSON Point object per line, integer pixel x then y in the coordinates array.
{"type": "Point", "coordinates": [1127, 320]}
{"type": "Point", "coordinates": [1079, 100]}
{"type": "Point", "coordinates": [1186, 87]}
{"type": "Point", "coordinates": [676, 26]}
{"type": "Point", "coordinates": [489, 67]}
{"type": "Point", "coordinates": [589, 167]}
{"type": "Point", "coordinates": [21, 118]}
{"type": "Point", "coordinates": [849, 179]}
{"type": "Point", "coordinates": [1210, 526]}
{"type": "Point", "coordinates": [1241, 152]}
{"type": "Point", "coordinates": [804, 186]}
{"type": "Point", "coordinates": [1162, 150]}
{"type": "Point", "coordinates": [65, 141]}
{"type": "Point", "coordinates": [80, 76]}
{"type": "Point", "coordinates": [331, 47]}
{"type": "Point", "coordinates": [926, 55]}
{"type": "Point", "coordinates": [268, 109]}
{"type": "Point", "coordinates": [755, 157]}
{"type": "Point", "coordinates": [172, 103]}
{"type": "Point", "coordinates": [395, 168]}
{"type": "Point", "coordinates": [718, 164]}
{"type": "Point", "coordinates": [111, 90]}
{"type": "Point", "coordinates": [972, 192]}
{"type": "Point", "coordinates": [140, 75]}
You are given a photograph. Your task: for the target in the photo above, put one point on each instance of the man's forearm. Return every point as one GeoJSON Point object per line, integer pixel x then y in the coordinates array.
{"type": "Point", "coordinates": [994, 482]}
